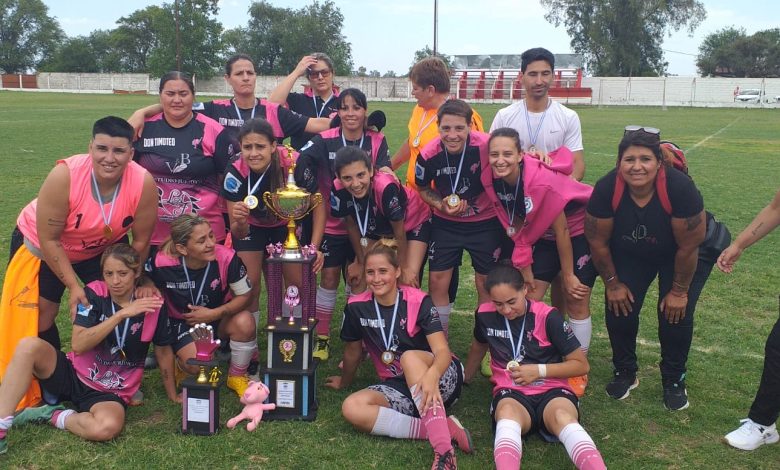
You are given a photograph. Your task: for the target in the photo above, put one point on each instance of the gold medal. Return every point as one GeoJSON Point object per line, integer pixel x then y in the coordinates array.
{"type": "Point", "coordinates": [363, 242]}
{"type": "Point", "coordinates": [416, 142]}
{"type": "Point", "coordinates": [512, 365]}
{"type": "Point", "coordinates": [107, 232]}
{"type": "Point", "coordinates": [122, 354]}
{"type": "Point", "coordinates": [251, 201]}
{"type": "Point", "coordinates": [388, 357]}
{"type": "Point", "coordinates": [453, 200]}
{"type": "Point", "coordinates": [511, 231]}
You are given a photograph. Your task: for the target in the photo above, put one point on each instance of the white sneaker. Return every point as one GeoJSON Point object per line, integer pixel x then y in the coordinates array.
{"type": "Point", "coordinates": [751, 435]}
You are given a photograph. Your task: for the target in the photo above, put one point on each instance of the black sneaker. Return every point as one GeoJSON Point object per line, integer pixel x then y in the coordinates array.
{"type": "Point", "coordinates": [622, 383]}
{"type": "Point", "coordinates": [675, 395]}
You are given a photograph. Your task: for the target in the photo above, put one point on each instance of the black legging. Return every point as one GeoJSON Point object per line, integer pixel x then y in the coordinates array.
{"type": "Point", "coordinates": [766, 407]}
{"type": "Point", "coordinates": [675, 339]}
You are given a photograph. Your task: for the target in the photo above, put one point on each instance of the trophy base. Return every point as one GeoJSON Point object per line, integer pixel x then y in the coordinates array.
{"type": "Point", "coordinates": [200, 407]}
{"type": "Point", "coordinates": [294, 392]}
{"type": "Point", "coordinates": [292, 254]}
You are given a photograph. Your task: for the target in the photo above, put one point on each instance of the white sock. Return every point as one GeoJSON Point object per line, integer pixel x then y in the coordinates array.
{"type": "Point", "coordinates": [240, 355]}
{"type": "Point", "coordinates": [444, 317]}
{"type": "Point", "coordinates": [417, 397]}
{"type": "Point", "coordinates": [391, 423]}
{"type": "Point", "coordinates": [507, 446]}
{"type": "Point", "coordinates": [60, 424]}
{"type": "Point", "coordinates": [5, 423]}
{"type": "Point", "coordinates": [583, 330]}
{"type": "Point", "coordinates": [580, 447]}
{"type": "Point", "coordinates": [326, 301]}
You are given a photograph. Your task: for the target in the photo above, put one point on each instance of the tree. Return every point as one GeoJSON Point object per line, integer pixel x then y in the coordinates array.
{"type": "Point", "coordinates": [390, 74]}
{"type": "Point", "coordinates": [623, 37]}
{"type": "Point", "coordinates": [361, 72]}
{"type": "Point", "coordinates": [28, 35]}
{"type": "Point", "coordinates": [74, 55]}
{"type": "Point", "coordinates": [730, 52]}
{"type": "Point", "coordinates": [428, 52]}
{"type": "Point", "coordinates": [277, 38]}
{"type": "Point", "coordinates": [717, 55]}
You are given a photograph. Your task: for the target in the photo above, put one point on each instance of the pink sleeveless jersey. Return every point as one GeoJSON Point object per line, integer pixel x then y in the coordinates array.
{"type": "Point", "coordinates": [548, 190]}
{"type": "Point", "coordinates": [500, 377]}
{"type": "Point", "coordinates": [82, 237]}
{"type": "Point", "coordinates": [333, 225]}
{"type": "Point", "coordinates": [413, 298]}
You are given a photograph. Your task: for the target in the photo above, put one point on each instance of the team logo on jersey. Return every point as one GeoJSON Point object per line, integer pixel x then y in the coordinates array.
{"type": "Point", "coordinates": [331, 155]}
{"type": "Point", "coordinates": [474, 168]}
{"type": "Point", "coordinates": [110, 380]}
{"type": "Point", "coordinates": [196, 141]}
{"type": "Point", "coordinates": [214, 284]}
{"type": "Point", "coordinates": [529, 205]}
{"type": "Point", "coordinates": [136, 326]}
{"type": "Point", "coordinates": [181, 163]}
{"type": "Point", "coordinates": [335, 202]}
{"type": "Point", "coordinates": [177, 203]}
{"type": "Point", "coordinates": [419, 171]}
{"type": "Point", "coordinates": [231, 184]}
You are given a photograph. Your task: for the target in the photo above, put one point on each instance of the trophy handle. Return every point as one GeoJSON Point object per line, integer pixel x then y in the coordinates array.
{"type": "Point", "coordinates": [267, 199]}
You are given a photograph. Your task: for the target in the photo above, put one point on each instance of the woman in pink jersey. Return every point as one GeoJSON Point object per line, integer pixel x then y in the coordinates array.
{"type": "Point", "coordinates": [421, 379]}
{"type": "Point", "coordinates": [86, 203]}
{"type": "Point", "coordinates": [262, 166]}
{"type": "Point", "coordinates": [187, 154]}
{"type": "Point", "coordinates": [315, 172]}
{"type": "Point", "coordinates": [542, 210]}
{"type": "Point", "coordinates": [533, 352]}
{"type": "Point", "coordinates": [110, 341]}
{"type": "Point", "coordinates": [375, 205]}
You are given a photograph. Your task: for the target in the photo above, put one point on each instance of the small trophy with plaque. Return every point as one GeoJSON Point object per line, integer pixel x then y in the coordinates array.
{"type": "Point", "coordinates": [200, 395]}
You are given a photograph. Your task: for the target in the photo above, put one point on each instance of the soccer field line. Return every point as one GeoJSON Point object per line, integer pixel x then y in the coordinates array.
{"type": "Point", "coordinates": [701, 142]}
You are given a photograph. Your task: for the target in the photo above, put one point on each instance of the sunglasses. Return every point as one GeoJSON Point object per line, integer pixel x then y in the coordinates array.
{"type": "Point", "coordinates": [319, 73]}
{"type": "Point", "coordinates": [646, 130]}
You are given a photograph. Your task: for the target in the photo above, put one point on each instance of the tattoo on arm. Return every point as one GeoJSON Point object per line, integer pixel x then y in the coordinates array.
{"type": "Point", "coordinates": [693, 222]}
{"type": "Point", "coordinates": [430, 196]}
{"type": "Point", "coordinates": [591, 225]}
{"type": "Point", "coordinates": [55, 222]}
{"type": "Point", "coordinates": [755, 230]}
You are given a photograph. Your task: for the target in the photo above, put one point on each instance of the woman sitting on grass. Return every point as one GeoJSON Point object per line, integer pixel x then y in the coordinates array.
{"type": "Point", "coordinates": [110, 342]}
{"type": "Point", "coordinates": [533, 354]}
{"type": "Point", "coordinates": [420, 377]}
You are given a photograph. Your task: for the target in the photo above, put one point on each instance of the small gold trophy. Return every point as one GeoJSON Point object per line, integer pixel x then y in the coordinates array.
{"type": "Point", "coordinates": [291, 203]}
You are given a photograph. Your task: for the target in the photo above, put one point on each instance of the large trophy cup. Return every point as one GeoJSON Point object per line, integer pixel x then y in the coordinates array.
{"type": "Point", "coordinates": [290, 372]}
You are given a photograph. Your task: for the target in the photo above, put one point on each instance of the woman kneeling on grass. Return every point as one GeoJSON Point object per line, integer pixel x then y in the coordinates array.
{"type": "Point", "coordinates": [402, 333]}
{"type": "Point", "coordinates": [110, 342]}
{"type": "Point", "coordinates": [533, 352]}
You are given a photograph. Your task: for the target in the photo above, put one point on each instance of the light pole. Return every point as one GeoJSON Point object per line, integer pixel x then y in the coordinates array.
{"type": "Point", "coordinates": [435, 27]}
{"type": "Point", "coordinates": [178, 40]}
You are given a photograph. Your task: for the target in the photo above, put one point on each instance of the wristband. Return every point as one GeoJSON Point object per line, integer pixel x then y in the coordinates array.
{"type": "Point", "coordinates": [542, 370]}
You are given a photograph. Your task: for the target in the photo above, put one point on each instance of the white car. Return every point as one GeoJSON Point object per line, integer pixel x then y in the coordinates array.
{"type": "Point", "coordinates": [749, 96]}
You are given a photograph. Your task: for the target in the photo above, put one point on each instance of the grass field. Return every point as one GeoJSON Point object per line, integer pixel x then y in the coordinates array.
{"type": "Point", "coordinates": [733, 155]}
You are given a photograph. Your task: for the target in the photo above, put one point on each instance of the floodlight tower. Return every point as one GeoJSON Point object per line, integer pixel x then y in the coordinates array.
{"type": "Point", "coordinates": [435, 27]}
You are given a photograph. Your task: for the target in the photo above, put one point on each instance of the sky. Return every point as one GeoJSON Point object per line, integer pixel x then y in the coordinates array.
{"type": "Point", "coordinates": [384, 34]}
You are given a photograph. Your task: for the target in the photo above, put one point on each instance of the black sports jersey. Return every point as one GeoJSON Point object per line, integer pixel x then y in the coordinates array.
{"type": "Point", "coordinates": [393, 201]}
{"type": "Point", "coordinates": [312, 106]}
{"type": "Point", "coordinates": [411, 327]}
{"type": "Point", "coordinates": [226, 276]}
{"type": "Point", "coordinates": [645, 232]}
{"type": "Point", "coordinates": [284, 122]}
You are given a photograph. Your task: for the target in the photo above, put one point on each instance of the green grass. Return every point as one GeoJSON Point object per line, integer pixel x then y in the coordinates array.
{"type": "Point", "coordinates": [737, 171]}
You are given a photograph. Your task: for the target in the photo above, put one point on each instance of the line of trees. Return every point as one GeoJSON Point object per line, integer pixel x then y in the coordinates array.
{"type": "Point", "coordinates": [730, 52]}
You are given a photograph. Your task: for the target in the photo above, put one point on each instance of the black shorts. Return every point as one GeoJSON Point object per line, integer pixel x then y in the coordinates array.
{"type": "Point", "coordinates": [337, 250]}
{"type": "Point", "coordinates": [547, 263]}
{"type": "Point", "coordinates": [65, 384]}
{"type": "Point", "coordinates": [482, 240]}
{"type": "Point", "coordinates": [421, 233]}
{"type": "Point", "coordinates": [49, 285]}
{"type": "Point", "coordinates": [259, 238]}
{"type": "Point", "coordinates": [179, 331]}
{"type": "Point", "coordinates": [535, 405]}
{"type": "Point", "coordinates": [397, 392]}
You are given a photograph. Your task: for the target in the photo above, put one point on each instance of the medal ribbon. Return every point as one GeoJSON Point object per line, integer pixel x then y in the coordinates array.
{"type": "Point", "coordinates": [535, 135]}
{"type": "Point", "coordinates": [363, 227]}
{"type": "Point", "coordinates": [392, 322]}
{"type": "Point", "coordinates": [250, 190]}
{"type": "Point", "coordinates": [202, 283]}
{"type": "Point", "coordinates": [454, 185]}
{"type": "Point", "coordinates": [344, 141]}
{"type": "Point", "coordinates": [120, 343]}
{"type": "Point", "coordinates": [422, 127]}
{"type": "Point", "coordinates": [324, 103]}
{"type": "Point", "coordinates": [106, 221]}
{"type": "Point", "coordinates": [514, 203]}
{"type": "Point", "coordinates": [238, 111]}
{"type": "Point", "coordinates": [516, 349]}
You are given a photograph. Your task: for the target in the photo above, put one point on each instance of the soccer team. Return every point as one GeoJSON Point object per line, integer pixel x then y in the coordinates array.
{"type": "Point", "coordinates": [512, 199]}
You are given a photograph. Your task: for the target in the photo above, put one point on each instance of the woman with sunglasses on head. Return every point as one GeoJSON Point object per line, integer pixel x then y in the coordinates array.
{"type": "Point", "coordinates": [315, 172]}
{"type": "Point", "coordinates": [320, 97]}
{"type": "Point", "coordinates": [643, 221]}
{"type": "Point", "coordinates": [421, 379]}
{"type": "Point", "coordinates": [375, 205]}
{"type": "Point", "coordinates": [244, 105]}
{"type": "Point", "coordinates": [542, 209]}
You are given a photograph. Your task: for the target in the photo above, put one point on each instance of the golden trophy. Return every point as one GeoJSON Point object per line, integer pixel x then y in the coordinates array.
{"type": "Point", "coordinates": [291, 203]}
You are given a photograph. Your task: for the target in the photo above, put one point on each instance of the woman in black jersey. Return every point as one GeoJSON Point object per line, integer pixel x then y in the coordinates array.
{"type": "Point", "coordinates": [653, 229]}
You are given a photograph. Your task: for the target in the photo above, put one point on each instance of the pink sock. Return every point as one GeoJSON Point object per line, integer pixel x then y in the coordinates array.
{"type": "Point", "coordinates": [581, 448]}
{"type": "Point", "coordinates": [326, 302]}
{"type": "Point", "coordinates": [507, 447]}
{"type": "Point", "coordinates": [437, 429]}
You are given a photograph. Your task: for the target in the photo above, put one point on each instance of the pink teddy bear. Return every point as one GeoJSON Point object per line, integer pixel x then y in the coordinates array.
{"type": "Point", "coordinates": [252, 399]}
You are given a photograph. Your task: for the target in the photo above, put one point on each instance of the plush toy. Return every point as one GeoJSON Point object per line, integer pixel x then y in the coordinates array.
{"type": "Point", "coordinates": [252, 399]}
